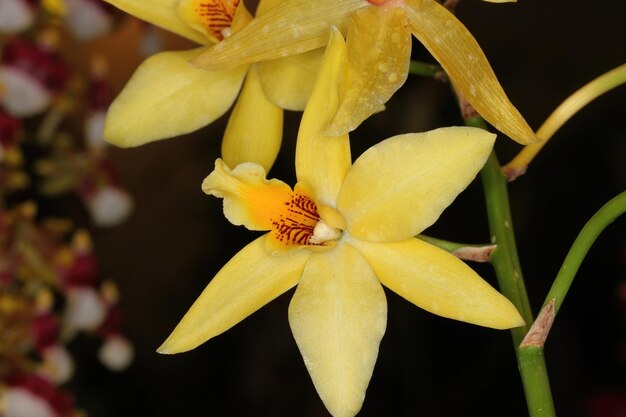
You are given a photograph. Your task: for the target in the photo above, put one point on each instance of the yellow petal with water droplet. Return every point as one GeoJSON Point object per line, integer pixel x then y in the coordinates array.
{"type": "Point", "coordinates": [293, 27]}
{"type": "Point", "coordinates": [251, 279]}
{"type": "Point", "coordinates": [288, 82]}
{"type": "Point", "coordinates": [462, 58]}
{"type": "Point", "coordinates": [338, 316]}
{"type": "Point", "coordinates": [400, 186]}
{"type": "Point", "coordinates": [379, 52]}
{"type": "Point", "coordinates": [322, 161]}
{"type": "Point", "coordinates": [439, 282]}
{"type": "Point", "coordinates": [162, 13]}
{"type": "Point", "coordinates": [166, 97]}
{"type": "Point", "coordinates": [255, 127]}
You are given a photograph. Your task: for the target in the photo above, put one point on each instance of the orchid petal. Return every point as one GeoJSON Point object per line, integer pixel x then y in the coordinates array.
{"type": "Point", "coordinates": [255, 127]}
{"type": "Point", "coordinates": [288, 82]}
{"type": "Point", "coordinates": [400, 186]}
{"type": "Point", "coordinates": [461, 57]}
{"type": "Point", "coordinates": [251, 279]}
{"type": "Point", "coordinates": [338, 316]}
{"type": "Point", "coordinates": [249, 198]}
{"type": "Point", "coordinates": [265, 5]}
{"type": "Point", "coordinates": [168, 97]}
{"type": "Point", "coordinates": [322, 161]}
{"type": "Point", "coordinates": [161, 13]}
{"type": "Point", "coordinates": [293, 27]}
{"type": "Point", "coordinates": [379, 52]}
{"type": "Point", "coordinates": [439, 282]}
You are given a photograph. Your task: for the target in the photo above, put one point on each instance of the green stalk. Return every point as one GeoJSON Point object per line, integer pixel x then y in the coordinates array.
{"type": "Point", "coordinates": [504, 258]}
{"type": "Point", "coordinates": [506, 263]}
{"type": "Point", "coordinates": [589, 233]}
{"type": "Point", "coordinates": [426, 70]}
{"type": "Point", "coordinates": [532, 368]}
{"type": "Point", "coordinates": [530, 353]}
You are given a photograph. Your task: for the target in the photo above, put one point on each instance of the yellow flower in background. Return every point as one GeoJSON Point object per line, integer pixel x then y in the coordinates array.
{"type": "Point", "coordinates": [379, 45]}
{"type": "Point", "coordinates": [167, 96]}
{"type": "Point", "coordinates": [55, 7]}
{"type": "Point", "coordinates": [344, 230]}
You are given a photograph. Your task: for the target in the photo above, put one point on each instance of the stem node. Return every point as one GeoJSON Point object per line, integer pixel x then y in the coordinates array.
{"type": "Point", "coordinates": [538, 332]}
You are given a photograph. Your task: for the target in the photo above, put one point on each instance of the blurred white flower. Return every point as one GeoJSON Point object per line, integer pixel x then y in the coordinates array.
{"type": "Point", "coordinates": [88, 19]}
{"type": "Point", "coordinates": [116, 353]}
{"type": "Point", "coordinates": [58, 365]}
{"type": "Point", "coordinates": [85, 309]}
{"type": "Point", "coordinates": [19, 402]}
{"type": "Point", "coordinates": [15, 16]}
{"type": "Point", "coordinates": [110, 206]}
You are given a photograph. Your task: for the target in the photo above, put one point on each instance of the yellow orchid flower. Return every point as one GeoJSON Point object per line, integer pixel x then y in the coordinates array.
{"type": "Point", "coordinates": [167, 96]}
{"type": "Point", "coordinates": [379, 43]}
{"type": "Point", "coordinates": [342, 232]}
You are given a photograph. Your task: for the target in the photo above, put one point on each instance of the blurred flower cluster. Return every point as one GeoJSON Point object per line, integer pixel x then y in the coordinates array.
{"type": "Point", "coordinates": [51, 122]}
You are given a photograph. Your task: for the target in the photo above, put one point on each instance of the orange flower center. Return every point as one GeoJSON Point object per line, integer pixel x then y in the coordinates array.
{"type": "Point", "coordinates": [217, 15]}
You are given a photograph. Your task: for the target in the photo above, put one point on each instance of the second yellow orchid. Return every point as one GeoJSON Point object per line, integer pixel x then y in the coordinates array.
{"type": "Point", "coordinates": [168, 97]}
{"type": "Point", "coordinates": [379, 44]}
{"type": "Point", "coordinates": [344, 230]}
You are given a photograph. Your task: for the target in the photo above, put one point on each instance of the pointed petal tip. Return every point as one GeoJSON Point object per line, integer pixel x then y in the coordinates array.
{"type": "Point", "coordinates": [518, 322]}
{"type": "Point", "coordinates": [510, 317]}
{"type": "Point", "coordinates": [163, 349]}
{"type": "Point", "coordinates": [116, 138]}
{"type": "Point", "coordinates": [535, 139]}
{"type": "Point", "coordinates": [173, 345]}
{"type": "Point", "coordinates": [170, 347]}
{"type": "Point", "coordinates": [114, 132]}
{"type": "Point", "coordinates": [523, 136]}
{"type": "Point", "coordinates": [183, 338]}
{"type": "Point", "coordinates": [201, 62]}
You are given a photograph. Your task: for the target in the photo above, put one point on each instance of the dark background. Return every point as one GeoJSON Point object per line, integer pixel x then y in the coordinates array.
{"type": "Point", "coordinates": [177, 239]}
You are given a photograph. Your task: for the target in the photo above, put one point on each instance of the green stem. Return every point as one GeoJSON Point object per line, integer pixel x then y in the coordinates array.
{"type": "Point", "coordinates": [426, 70]}
{"type": "Point", "coordinates": [589, 233]}
{"type": "Point", "coordinates": [506, 263]}
{"type": "Point", "coordinates": [504, 258]}
{"type": "Point", "coordinates": [532, 368]}
{"type": "Point", "coordinates": [530, 354]}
